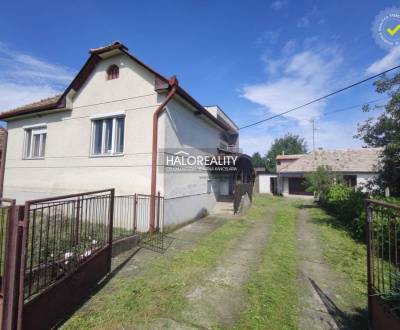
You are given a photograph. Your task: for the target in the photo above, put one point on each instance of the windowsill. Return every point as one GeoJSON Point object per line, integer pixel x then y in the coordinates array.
{"type": "Point", "coordinates": [106, 155]}
{"type": "Point", "coordinates": [35, 158]}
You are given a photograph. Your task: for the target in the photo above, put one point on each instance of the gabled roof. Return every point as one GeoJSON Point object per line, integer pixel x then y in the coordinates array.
{"type": "Point", "coordinates": [45, 104]}
{"type": "Point", "coordinates": [96, 55]}
{"type": "Point", "coordinates": [356, 160]}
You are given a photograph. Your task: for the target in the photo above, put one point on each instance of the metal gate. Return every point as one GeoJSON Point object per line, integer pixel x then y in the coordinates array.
{"type": "Point", "coordinates": [57, 249]}
{"type": "Point", "coordinates": [383, 264]}
{"type": "Point", "coordinates": [54, 250]}
{"type": "Point", "coordinates": [10, 241]}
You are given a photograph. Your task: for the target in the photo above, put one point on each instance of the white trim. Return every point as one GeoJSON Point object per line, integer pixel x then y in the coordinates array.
{"type": "Point", "coordinates": [108, 115]}
{"type": "Point", "coordinates": [35, 126]}
{"type": "Point", "coordinates": [31, 131]}
{"type": "Point", "coordinates": [103, 136]}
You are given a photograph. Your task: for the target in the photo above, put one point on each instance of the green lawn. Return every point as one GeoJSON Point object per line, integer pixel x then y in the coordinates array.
{"type": "Point", "coordinates": [273, 293]}
{"type": "Point", "coordinates": [348, 257]}
{"type": "Point", "coordinates": [273, 290]}
{"type": "Point", "coordinates": [160, 291]}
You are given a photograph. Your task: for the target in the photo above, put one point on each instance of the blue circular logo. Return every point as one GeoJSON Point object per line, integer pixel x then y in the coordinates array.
{"type": "Point", "coordinates": [386, 28]}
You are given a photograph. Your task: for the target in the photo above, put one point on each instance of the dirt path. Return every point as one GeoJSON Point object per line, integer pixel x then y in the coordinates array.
{"type": "Point", "coordinates": [133, 262]}
{"type": "Point", "coordinates": [179, 240]}
{"type": "Point", "coordinates": [219, 298]}
{"type": "Point", "coordinates": [318, 282]}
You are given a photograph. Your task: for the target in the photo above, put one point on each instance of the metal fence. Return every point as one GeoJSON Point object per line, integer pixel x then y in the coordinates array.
{"type": "Point", "coordinates": [4, 217]}
{"type": "Point", "coordinates": [62, 233]}
{"type": "Point", "coordinates": [53, 250]}
{"type": "Point", "coordinates": [132, 215]}
{"type": "Point", "coordinates": [383, 249]}
{"type": "Point", "coordinates": [125, 209]}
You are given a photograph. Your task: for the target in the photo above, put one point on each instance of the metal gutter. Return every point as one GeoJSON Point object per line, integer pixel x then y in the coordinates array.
{"type": "Point", "coordinates": [173, 82]}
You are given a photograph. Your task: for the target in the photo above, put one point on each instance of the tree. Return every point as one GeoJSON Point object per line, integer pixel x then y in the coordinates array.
{"type": "Point", "coordinates": [321, 180]}
{"type": "Point", "coordinates": [384, 131]}
{"type": "Point", "coordinates": [289, 145]}
{"type": "Point", "coordinates": [258, 161]}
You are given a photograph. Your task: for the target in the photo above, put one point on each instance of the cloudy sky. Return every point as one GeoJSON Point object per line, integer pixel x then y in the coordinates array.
{"type": "Point", "coordinates": [253, 58]}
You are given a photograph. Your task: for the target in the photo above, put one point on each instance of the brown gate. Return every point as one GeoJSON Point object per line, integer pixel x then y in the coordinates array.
{"type": "Point", "coordinates": [9, 261]}
{"type": "Point", "coordinates": [58, 248]}
{"type": "Point", "coordinates": [383, 264]}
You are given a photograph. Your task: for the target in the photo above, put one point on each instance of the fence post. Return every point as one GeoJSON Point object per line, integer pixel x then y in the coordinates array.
{"type": "Point", "coordinates": [23, 220]}
{"type": "Point", "coordinates": [78, 208]}
{"type": "Point", "coordinates": [11, 269]}
{"type": "Point", "coordinates": [158, 211]}
{"type": "Point", "coordinates": [134, 214]}
{"type": "Point", "coordinates": [369, 255]}
{"type": "Point", "coordinates": [110, 227]}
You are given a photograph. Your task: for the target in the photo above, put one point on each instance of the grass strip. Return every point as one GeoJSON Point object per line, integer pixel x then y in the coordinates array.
{"type": "Point", "coordinates": [349, 257]}
{"type": "Point", "coordinates": [273, 290]}
{"type": "Point", "coordinates": [159, 292]}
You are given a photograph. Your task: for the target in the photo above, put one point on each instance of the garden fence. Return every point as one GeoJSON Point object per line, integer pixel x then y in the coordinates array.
{"type": "Point", "coordinates": [383, 263]}
{"type": "Point", "coordinates": [53, 250]}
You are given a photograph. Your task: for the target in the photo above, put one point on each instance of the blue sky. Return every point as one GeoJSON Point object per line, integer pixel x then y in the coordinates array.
{"type": "Point", "coordinates": [252, 58]}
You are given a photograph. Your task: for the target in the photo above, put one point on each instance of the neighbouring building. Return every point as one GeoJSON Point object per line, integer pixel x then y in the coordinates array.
{"type": "Point", "coordinates": [265, 182]}
{"type": "Point", "coordinates": [109, 129]}
{"type": "Point", "coordinates": [357, 167]}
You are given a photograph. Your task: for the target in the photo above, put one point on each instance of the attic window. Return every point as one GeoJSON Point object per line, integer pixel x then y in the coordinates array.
{"type": "Point", "coordinates": [112, 72]}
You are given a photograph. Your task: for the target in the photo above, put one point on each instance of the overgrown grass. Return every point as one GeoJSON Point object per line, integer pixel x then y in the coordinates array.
{"type": "Point", "coordinates": [159, 292]}
{"type": "Point", "coordinates": [347, 256]}
{"type": "Point", "coordinates": [273, 289]}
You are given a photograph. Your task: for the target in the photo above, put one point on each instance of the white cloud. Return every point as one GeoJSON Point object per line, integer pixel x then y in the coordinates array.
{"type": "Point", "coordinates": [25, 78]}
{"type": "Point", "coordinates": [279, 4]}
{"type": "Point", "coordinates": [303, 22]}
{"type": "Point", "coordinates": [388, 61]}
{"type": "Point", "coordinates": [289, 47]}
{"type": "Point", "coordinates": [304, 76]}
{"type": "Point", "coordinates": [298, 78]}
{"type": "Point", "coordinates": [270, 37]}
{"type": "Point", "coordinates": [13, 95]}
{"type": "Point", "coordinates": [312, 16]}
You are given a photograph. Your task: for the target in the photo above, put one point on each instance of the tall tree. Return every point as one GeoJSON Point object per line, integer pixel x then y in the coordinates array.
{"type": "Point", "coordinates": [258, 161]}
{"type": "Point", "coordinates": [384, 131]}
{"type": "Point", "coordinates": [289, 145]}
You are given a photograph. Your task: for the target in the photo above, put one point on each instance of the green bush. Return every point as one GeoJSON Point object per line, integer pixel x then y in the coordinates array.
{"type": "Point", "coordinates": [348, 206]}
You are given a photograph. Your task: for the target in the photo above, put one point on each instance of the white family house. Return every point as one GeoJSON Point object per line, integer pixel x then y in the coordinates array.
{"type": "Point", "coordinates": [357, 167]}
{"type": "Point", "coordinates": [109, 128]}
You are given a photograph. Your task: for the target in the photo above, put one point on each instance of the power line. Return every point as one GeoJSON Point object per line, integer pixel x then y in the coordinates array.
{"type": "Point", "coordinates": [314, 129]}
{"type": "Point", "coordinates": [321, 98]}
{"type": "Point", "coordinates": [352, 107]}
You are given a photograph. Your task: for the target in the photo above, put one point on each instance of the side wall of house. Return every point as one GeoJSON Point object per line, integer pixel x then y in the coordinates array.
{"type": "Point", "coordinates": [265, 183]}
{"type": "Point", "coordinates": [68, 165]}
{"type": "Point", "coordinates": [188, 195]}
{"type": "Point", "coordinates": [362, 180]}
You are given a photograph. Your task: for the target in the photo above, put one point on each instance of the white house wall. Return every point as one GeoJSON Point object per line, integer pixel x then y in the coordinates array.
{"type": "Point", "coordinates": [362, 180]}
{"type": "Point", "coordinates": [187, 195]}
{"type": "Point", "coordinates": [265, 183]}
{"type": "Point", "coordinates": [67, 166]}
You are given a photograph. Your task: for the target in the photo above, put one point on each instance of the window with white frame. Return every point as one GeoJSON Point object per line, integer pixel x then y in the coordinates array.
{"type": "Point", "coordinates": [108, 136]}
{"type": "Point", "coordinates": [35, 142]}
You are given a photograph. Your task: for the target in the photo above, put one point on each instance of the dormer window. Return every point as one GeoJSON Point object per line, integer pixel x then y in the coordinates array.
{"type": "Point", "coordinates": [112, 72]}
